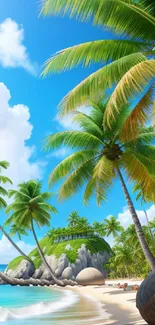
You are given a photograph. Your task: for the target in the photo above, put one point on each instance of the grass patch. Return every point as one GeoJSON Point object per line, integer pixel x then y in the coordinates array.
{"type": "Point", "coordinates": [13, 264]}
{"type": "Point", "coordinates": [93, 244]}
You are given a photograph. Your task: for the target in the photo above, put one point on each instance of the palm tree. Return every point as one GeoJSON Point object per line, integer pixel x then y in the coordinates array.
{"type": "Point", "coordinates": [112, 227]}
{"type": "Point", "coordinates": [82, 223]}
{"type": "Point", "coordinates": [127, 60]}
{"type": "Point", "coordinates": [124, 256]}
{"type": "Point", "coordinates": [16, 230]}
{"type": "Point", "coordinates": [73, 219]}
{"type": "Point", "coordinates": [103, 155]}
{"type": "Point", "coordinates": [30, 207]}
{"type": "Point", "coordinates": [131, 236]}
{"type": "Point", "coordinates": [3, 204]}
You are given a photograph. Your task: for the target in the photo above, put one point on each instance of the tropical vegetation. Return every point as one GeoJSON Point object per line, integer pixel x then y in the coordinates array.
{"type": "Point", "coordinates": [128, 259]}
{"type": "Point", "coordinates": [30, 207]}
{"type": "Point", "coordinates": [103, 155]}
{"type": "Point", "coordinates": [127, 61]}
{"type": "Point", "coordinates": [3, 204]}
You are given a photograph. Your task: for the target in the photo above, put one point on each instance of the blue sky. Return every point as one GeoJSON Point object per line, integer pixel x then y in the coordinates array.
{"type": "Point", "coordinates": [41, 37]}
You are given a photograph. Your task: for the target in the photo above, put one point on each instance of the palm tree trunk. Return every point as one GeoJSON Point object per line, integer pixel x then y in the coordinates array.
{"type": "Point", "coordinates": [58, 282]}
{"type": "Point", "coordinates": [150, 231]}
{"type": "Point", "coordinates": [149, 256]}
{"type": "Point", "coordinates": [14, 245]}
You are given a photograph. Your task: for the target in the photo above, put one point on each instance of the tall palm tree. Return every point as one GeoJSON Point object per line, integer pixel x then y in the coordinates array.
{"type": "Point", "coordinates": [73, 219]}
{"type": "Point", "coordinates": [101, 156]}
{"type": "Point", "coordinates": [3, 204]}
{"type": "Point", "coordinates": [127, 60]}
{"type": "Point", "coordinates": [30, 207]}
{"type": "Point", "coordinates": [112, 227]}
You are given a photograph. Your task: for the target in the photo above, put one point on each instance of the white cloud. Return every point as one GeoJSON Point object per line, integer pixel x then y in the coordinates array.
{"type": "Point", "coordinates": [60, 153]}
{"type": "Point", "coordinates": [8, 252]}
{"type": "Point", "coordinates": [67, 121]}
{"type": "Point", "coordinates": [126, 219]}
{"type": "Point", "coordinates": [15, 129]}
{"type": "Point", "coordinates": [13, 52]}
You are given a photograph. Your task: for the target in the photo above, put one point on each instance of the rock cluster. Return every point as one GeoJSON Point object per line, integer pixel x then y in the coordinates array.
{"type": "Point", "coordinates": [62, 267]}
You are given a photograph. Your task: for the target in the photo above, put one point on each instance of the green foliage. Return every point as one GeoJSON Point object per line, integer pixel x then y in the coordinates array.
{"type": "Point", "coordinates": [99, 155]}
{"type": "Point", "coordinates": [129, 62]}
{"type": "Point", "coordinates": [94, 244]}
{"type": "Point", "coordinates": [30, 204]}
{"type": "Point", "coordinates": [14, 263]}
{"type": "Point", "coordinates": [128, 260]}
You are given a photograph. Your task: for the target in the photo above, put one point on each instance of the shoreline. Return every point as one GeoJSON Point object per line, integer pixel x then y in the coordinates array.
{"type": "Point", "coordinates": [99, 305]}
{"type": "Point", "coordinates": [118, 307]}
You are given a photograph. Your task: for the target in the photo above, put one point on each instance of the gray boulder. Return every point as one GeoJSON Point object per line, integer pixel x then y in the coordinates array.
{"type": "Point", "coordinates": [90, 276]}
{"type": "Point", "coordinates": [84, 260]}
{"type": "Point", "coordinates": [67, 273]}
{"type": "Point", "coordinates": [24, 270]}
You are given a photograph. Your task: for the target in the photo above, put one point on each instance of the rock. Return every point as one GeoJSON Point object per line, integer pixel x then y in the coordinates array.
{"type": "Point", "coordinates": [67, 273]}
{"type": "Point", "coordinates": [84, 260]}
{"type": "Point", "coordinates": [24, 270]}
{"type": "Point", "coordinates": [62, 264]}
{"type": "Point", "coordinates": [90, 276]}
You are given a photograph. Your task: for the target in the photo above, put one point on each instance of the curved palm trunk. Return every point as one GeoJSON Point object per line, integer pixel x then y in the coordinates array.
{"type": "Point", "coordinates": [149, 256]}
{"type": "Point", "coordinates": [14, 245]}
{"type": "Point", "coordinates": [150, 231]}
{"type": "Point", "coordinates": [58, 282]}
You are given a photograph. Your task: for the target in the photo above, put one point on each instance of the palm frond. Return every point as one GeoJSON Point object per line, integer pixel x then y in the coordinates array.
{"type": "Point", "coordinates": [101, 180]}
{"type": "Point", "coordinates": [88, 124]}
{"type": "Point", "coordinates": [48, 207]}
{"type": "Point", "coordinates": [4, 179]}
{"type": "Point", "coordinates": [70, 163]}
{"type": "Point", "coordinates": [132, 84]}
{"type": "Point", "coordinates": [73, 139]}
{"type": "Point", "coordinates": [4, 164]}
{"type": "Point", "coordinates": [76, 180]}
{"type": "Point", "coordinates": [138, 116]}
{"type": "Point", "coordinates": [3, 203]}
{"type": "Point", "coordinates": [94, 86]}
{"type": "Point", "coordinates": [138, 171]}
{"type": "Point", "coordinates": [101, 51]}
{"type": "Point", "coordinates": [3, 191]}
{"type": "Point", "coordinates": [105, 12]}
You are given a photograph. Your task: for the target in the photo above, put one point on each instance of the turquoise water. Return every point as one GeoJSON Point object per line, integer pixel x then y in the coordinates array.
{"type": "Point", "coordinates": [32, 305]}
{"type": "Point", "coordinates": [3, 267]}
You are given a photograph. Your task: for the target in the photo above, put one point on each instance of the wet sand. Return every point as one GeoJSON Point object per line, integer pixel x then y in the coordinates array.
{"type": "Point", "coordinates": [86, 310]}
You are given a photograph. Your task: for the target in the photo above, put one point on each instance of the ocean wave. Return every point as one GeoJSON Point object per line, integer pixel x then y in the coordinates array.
{"type": "Point", "coordinates": [40, 308]}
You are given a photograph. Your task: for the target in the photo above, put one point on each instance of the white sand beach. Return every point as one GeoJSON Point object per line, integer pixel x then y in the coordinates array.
{"type": "Point", "coordinates": [120, 305]}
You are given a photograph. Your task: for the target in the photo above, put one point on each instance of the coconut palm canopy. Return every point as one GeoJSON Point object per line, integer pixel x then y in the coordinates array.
{"type": "Point", "coordinates": [99, 152]}
{"type": "Point", "coordinates": [30, 203]}
{"type": "Point", "coordinates": [112, 227]}
{"type": "Point", "coordinates": [129, 60]}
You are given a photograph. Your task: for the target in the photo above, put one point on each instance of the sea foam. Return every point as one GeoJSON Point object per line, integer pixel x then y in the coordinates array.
{"type": "Point", "coordinates": [38, 309]}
